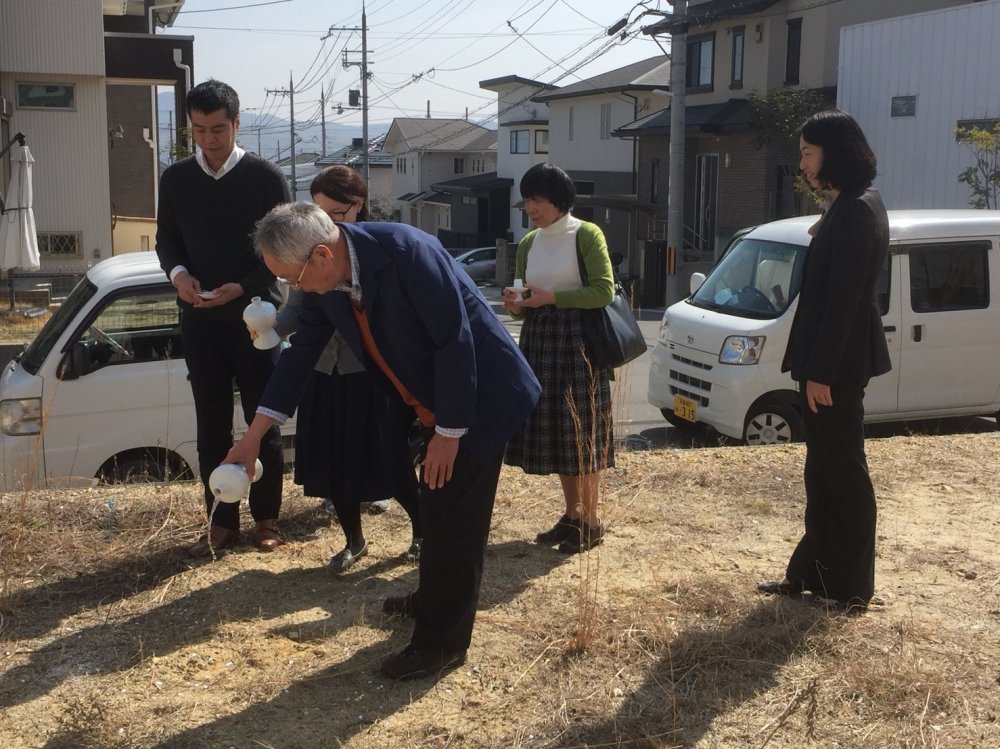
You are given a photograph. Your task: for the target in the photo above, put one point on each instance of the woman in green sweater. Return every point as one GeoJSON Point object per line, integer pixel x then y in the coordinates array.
{"type": "Point", "coordinates": [570, 431]}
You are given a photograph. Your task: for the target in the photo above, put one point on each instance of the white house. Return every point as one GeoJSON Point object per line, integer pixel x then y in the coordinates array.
{"type": "Point", "coordinates": [83, 93]}
{"type": "Point", "coordinates": [522, 137]}
{"type": "Point", "coordinates": [428, 150]}
{"type": "Point", "coordinates": [910, 82]}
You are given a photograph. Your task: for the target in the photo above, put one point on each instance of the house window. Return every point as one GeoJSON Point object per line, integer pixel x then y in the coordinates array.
{"type": "Point", "coordinates": [46, 96]}
{"type": "Point", "coordinates": [654, 181]}
{"type": "Point", "coordinates": [520, 141]}
{"type": "Point", "coordinates": [459, 166]}
{"type": "Point", "coordinates": [63, 244]}
{"type": "Point", "coordinates": [987, 124]}
{"type": "Point", "coordinates": [793, 51]}
{"type": "Point", "coordinates": [700, 62]}
{"type": "Point", "coordinates": [738, 34]}
{"type": "Point", "coordinates": [401, 165]}
{"type": "Point", "coordinates": [571, 123]}
{"type": "Point", "coordinates": [541, 141]}
{"type": "Point", "coordinates": [605, 122]}
{"type": "Point", "coordinates": [903, 106]}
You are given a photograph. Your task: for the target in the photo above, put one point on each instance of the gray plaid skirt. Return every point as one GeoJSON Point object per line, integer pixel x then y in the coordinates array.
{"type": "Point", "coordinates": [570, 432]}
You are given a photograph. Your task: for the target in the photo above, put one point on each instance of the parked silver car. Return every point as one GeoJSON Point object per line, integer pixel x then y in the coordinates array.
{"type": "Point", "coordinates": [480, 263]}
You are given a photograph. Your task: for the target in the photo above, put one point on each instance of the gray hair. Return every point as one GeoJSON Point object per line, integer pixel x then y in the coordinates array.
{"type": "Point", "coordinates": [289, 231]}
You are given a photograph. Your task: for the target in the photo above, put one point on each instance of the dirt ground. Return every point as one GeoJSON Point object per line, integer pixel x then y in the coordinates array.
{"type": "Point", "coordinates": [110, 637]}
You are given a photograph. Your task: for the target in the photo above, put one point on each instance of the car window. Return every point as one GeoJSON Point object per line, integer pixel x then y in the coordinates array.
{"type": "Point", "coordinates": [757, 278]}
{"type": "Point", "coordinates": [949, 276]}
{"type": "Point", "coordinates": [136, 328]}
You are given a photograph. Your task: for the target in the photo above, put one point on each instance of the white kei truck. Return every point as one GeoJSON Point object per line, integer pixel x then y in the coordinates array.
{"type": "Point", "coordinates": [102, 392]}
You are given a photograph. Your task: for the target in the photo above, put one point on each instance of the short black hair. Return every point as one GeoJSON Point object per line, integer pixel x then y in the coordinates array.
{"type": "Point", "coordinates": [848, 160]}
{"type": "Point", "coordinates": [211, 96]}
{"type": "Point", "coordinates": [550, 182]}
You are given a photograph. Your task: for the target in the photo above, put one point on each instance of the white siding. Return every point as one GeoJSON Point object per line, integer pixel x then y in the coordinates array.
{"type": "Point", "coordinates": [70, 175]}
{"type": "Point", "coordinates": [948, 60]}
{"type": "Point", "coordinates": [587, 152]}
{"type": "Point", "coordinates": [52, 37]}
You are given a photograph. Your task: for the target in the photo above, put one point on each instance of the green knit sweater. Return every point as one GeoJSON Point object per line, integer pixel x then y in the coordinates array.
{"type": "Point", "coordinates": [600, 288]}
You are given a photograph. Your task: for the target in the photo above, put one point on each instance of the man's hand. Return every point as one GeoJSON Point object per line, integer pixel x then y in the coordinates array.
{"type": "Point", "coordinates": [245, 453]}
{"type": "Point", "coordinates": [817, 394]}
{"type": "Point", "coordinates": [440, 460]}
{"type": "Point", "coordinates": [223, 294]}
{"type": "Point", "coordinates": [188, 287]}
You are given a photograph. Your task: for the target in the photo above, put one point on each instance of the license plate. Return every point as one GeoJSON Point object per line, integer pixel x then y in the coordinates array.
{"type": "Point", "coordinates": [685, 408]}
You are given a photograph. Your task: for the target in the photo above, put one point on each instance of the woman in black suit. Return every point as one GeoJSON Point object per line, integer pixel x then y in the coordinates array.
{"type": "Point", "coordinates": [836, 344]}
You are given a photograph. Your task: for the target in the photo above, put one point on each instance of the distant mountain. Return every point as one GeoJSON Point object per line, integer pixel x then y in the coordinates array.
{"type": "Point", "coordinates": [273, 137]}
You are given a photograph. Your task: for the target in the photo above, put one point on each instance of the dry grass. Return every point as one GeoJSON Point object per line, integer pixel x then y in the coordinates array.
{"type": "Point", "coordinates": [110, 638]}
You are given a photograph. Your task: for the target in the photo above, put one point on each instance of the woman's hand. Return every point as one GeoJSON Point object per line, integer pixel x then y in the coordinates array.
{"type": "Point", "coordinates": [539, 297]}
{"type": "Point", "coordinates": [512, 301]}
{"type": "Point", "coordinates": [817, 394]}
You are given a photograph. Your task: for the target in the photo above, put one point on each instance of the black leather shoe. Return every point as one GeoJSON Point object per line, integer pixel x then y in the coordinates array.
{"type": "Point", "coordinates": [585, 538]}
{"type": "Point", "coordinates": [565, 528]}
{"type": "Point", "coordinates": [399, 606]}
{"type": "Point", "coordinates": [854, 607]}
{"type": "Point", "coordinates": [780, 588]}
{"type": "Point", "coordinates": [344, 560]}
{"type": "Point", "coordinates": [417, 664]}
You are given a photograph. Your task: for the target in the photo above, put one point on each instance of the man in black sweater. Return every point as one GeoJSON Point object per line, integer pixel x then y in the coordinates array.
{"type": "Point", "coordinates": [208, 206]}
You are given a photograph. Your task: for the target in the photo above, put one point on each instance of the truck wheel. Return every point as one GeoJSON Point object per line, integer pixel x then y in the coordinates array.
{"type": "Point", "coordinates": [676, 421]}
{"type": "Point", "coordinates": [772, 423]}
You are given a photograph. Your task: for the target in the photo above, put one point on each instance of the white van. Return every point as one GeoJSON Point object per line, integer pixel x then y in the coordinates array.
{"type": "Point", "coordinates": [718, 357]}
{"type": "Point", "coordinates": [102, 392]}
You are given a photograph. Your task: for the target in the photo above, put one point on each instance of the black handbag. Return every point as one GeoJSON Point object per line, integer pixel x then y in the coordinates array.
{"type": "Point", "coordinates": [611, 336]}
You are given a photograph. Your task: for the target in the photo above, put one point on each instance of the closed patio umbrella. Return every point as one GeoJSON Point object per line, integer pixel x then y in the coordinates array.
{"type": "Point", "coordinates": [18, 240]}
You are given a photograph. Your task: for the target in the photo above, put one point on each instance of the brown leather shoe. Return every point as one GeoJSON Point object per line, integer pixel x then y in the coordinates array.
{"type": "Point", "coordinates": [221, 538]}
{"type": "Point", "coordinates": [266, 536]}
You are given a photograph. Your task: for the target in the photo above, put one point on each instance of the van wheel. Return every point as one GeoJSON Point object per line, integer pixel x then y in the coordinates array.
{"type": "Point", "coordinates": [772, 423]}
{"type": "Point", "coordinates": [676, 421]}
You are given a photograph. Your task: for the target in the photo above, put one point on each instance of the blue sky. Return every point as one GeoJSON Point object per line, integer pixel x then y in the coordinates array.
{"type": "Point", "coordinates": [419, 50]}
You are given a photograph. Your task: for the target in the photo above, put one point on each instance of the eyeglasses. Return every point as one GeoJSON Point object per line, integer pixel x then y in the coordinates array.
{"type": "Point", "coordinates": [297, 283]}
{"type": "Point", "coordinates": [339, 215]}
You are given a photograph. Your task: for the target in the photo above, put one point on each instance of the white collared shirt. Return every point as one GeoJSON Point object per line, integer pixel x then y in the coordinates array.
{"type": "Point", "coordinates": [234, 159]}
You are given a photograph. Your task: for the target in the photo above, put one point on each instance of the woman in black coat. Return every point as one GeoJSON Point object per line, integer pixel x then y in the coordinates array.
{"type": "Point", "coordinates": [835, 346]}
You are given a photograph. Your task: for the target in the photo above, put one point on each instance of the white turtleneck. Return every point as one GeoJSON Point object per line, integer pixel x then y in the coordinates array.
{"type": "Point", "coordinates": [552, 262]}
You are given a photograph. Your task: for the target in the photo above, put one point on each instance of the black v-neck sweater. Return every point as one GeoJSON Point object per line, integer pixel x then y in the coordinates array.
{"type": "Point", "coordinates": [206, 224]}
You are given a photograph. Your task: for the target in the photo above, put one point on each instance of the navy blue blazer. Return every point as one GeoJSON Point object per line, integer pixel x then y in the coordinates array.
{"type": "Point", "coordinates": [836, 335]}
{"type": "Point", "coordinates": [433, 327]}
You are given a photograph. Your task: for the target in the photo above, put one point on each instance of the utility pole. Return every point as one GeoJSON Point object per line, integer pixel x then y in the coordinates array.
{"type": "Point", "coordinates": [322, 119]}
{"type": "Point", "coordinates": [290, 93]}
{"type": "Point", "coordinates": [363, 64]}
{"type": "Point", "coordinates": [675, 200]}
{"type": "Point", "coordinates": [676, 23]}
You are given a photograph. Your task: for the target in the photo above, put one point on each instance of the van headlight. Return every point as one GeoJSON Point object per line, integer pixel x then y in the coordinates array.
{"type": "Point", "coordinates": [741, 349]}
{"type": "Point", "coordinates": [19, 417]}
{"type": "Point", "coordinates": [663, 336]}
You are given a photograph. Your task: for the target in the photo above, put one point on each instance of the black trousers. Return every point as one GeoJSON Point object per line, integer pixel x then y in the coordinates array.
{"type": "Point", "coordinates": [836, 556]}
{"type": "Point", "coordinates": [218, 350]}
{"type": "Point", "coordinates": [455, 521]}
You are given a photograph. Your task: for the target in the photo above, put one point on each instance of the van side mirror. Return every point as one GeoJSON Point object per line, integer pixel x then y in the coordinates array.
{"type": "Point", "coordinates": [697, 279]}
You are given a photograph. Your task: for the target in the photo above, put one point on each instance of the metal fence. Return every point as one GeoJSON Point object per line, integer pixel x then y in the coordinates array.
{"type": "Point", "coordinates": [28, 299]}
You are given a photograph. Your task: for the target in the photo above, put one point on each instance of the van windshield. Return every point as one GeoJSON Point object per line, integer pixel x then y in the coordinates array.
{"type": "Point", "coordinates": [756, 278]}
{"type": "Point", "coordinates": [38, 349]}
